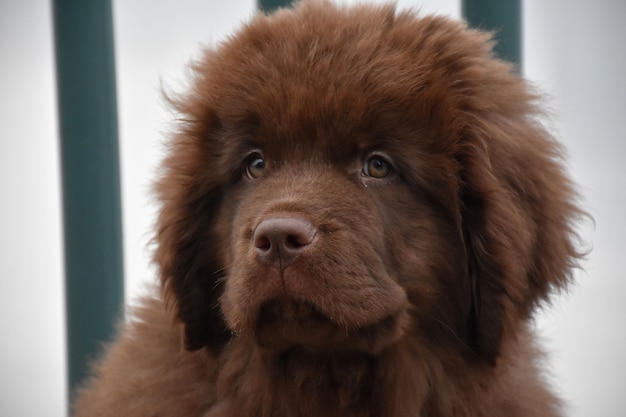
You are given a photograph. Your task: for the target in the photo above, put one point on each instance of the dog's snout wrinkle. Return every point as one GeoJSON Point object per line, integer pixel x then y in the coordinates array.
{"type": "Point", "coordinates": [280, 240]}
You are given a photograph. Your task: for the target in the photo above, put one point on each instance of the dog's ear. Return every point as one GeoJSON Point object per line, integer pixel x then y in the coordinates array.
{"type": "Point", "coordinates": [518, 213]}
{"type": "Point", "coordinates": [186, 254]}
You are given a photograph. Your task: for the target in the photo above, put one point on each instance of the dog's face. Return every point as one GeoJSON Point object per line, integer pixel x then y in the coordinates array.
{"type": "Point", "coordinates": [325, 238]}
{"type": "Point", "coordinates": [345, 179]}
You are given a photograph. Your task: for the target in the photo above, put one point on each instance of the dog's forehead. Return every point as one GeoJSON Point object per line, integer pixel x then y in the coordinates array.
{"type": "Point", "coordinates": [331, 80]}
{"type": "Point", "coordinates": [338, 136]}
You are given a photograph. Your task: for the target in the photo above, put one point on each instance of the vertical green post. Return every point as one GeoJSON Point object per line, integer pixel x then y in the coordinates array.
{"type": "Point", "coordinates": [268, 6]}
{"type": "Point", "coordinates": [85, 70]}
{"type": "Point", "coordinates": [503, 17]}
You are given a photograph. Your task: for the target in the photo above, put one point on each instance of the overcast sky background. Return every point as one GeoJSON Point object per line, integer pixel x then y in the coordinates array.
{"type": "Point", "coordinates": [573, 50]}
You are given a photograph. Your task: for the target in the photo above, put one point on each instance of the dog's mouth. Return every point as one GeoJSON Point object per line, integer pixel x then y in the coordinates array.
{"type": "Point", "coordinates": [286, 322]}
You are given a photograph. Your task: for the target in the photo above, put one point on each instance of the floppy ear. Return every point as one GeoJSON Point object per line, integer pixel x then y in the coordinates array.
{"type": "Point", "coordinates": [187, 250]}
{"type": "Point", "coordinates": [518, 213]}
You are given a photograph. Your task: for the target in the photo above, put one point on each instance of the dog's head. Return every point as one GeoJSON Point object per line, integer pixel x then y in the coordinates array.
{"type": "Point", "coordinates": [343, 178]}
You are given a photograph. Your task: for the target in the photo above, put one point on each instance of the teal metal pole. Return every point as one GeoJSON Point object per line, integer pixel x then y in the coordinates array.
{"type": "Point", "coordinates": [85, 70]}
{"type": "Point", "coordinates": [503, 17]}
{"type": "Point", "coordinates": [268, 6]}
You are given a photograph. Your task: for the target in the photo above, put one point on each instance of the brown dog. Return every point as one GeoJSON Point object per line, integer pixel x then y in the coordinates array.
{"type": "Point", "coordinates": [360, 213]}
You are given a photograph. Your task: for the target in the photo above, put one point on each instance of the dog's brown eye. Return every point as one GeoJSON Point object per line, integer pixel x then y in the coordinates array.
{"type": "Point", "coordinates": [255, 167]}
{"type": "Point", "coordinates": [377, 167]}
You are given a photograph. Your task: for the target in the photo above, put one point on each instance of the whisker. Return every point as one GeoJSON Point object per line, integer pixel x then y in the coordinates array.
{"type": "Point", "coordinates": [458, 339]}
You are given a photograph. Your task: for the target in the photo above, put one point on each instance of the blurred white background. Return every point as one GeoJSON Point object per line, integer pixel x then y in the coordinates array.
{"type": "Point", "coordinates": [573, 50]}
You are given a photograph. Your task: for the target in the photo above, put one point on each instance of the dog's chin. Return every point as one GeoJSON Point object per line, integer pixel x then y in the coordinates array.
{"type": "Point", "coordinates": [284, 323]}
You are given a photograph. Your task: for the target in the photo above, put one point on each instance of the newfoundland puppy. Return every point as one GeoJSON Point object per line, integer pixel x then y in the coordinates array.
{"type": "Point", "coordinates": [360, 213]}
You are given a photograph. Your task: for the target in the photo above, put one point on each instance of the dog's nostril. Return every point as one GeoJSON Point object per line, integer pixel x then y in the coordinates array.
{"type": "Point", "coordinates": [262, 243]}
{"type": "Point", "coordinates": [280, 240]}
{"type": "Point", "coordinates": [293, 241]}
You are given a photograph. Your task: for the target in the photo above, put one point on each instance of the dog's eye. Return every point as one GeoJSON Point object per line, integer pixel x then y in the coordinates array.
{"type": "Point", "coordinates": [255, 167]}
{"type": "Point", "coordinates": [377, 167]}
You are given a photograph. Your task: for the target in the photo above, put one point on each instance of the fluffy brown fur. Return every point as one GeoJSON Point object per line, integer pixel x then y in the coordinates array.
{"type": "Point", "coordinates": [360, 213]}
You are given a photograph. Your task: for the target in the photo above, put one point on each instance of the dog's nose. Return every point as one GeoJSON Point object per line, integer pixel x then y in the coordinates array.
{"type": "Point", "coordinates": [280, 240]}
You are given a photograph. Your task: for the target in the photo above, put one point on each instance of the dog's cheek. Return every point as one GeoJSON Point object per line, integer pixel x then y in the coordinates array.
{"type": "Point", "coordinates": [220, 234]}
{"type": "Point", "coordinates": [414, 237]}
{"type": "Point", "coordinates": [426, 255]}
{"type": "Point", "coordinates": [245, 281]}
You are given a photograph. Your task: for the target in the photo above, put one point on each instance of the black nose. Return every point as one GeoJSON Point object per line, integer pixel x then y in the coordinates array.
{"type": "Point", "coordinates": [280, 240]}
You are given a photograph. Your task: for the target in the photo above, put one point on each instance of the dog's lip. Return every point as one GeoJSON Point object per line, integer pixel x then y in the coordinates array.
{"type": "Point", "coordinates": [285, 308]}
{"type": "Point", "coordinates": [284, 322]}
{"type": "Point", "coordinates": [289, 309]}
